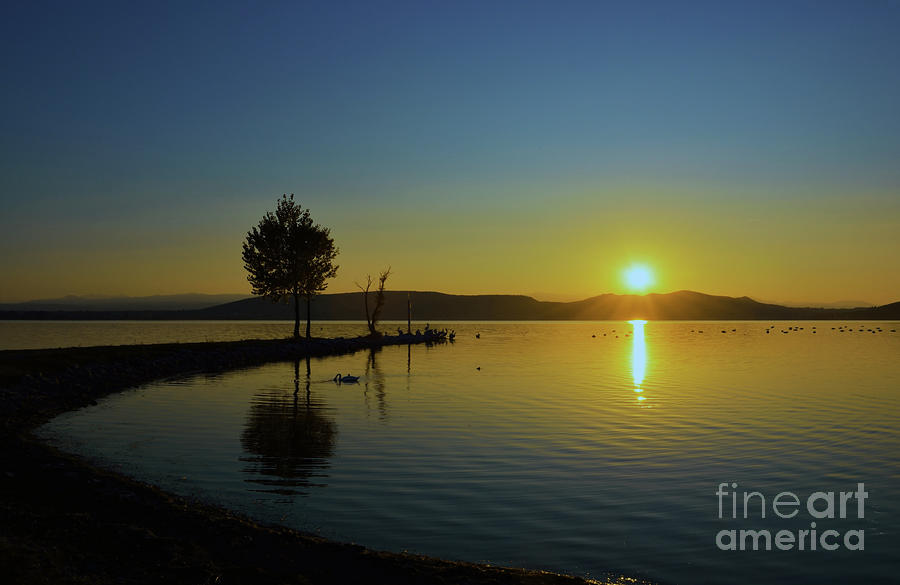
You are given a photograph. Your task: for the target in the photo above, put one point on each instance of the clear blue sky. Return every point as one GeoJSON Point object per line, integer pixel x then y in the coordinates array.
{"type": "Point", "coordinates": [474, 146]}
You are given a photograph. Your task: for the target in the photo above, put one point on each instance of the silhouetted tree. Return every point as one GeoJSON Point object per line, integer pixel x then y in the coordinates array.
{"type": "Point", "coordinates": [372, 320]}
{"type": "Point", "coordinates": [288, 255]}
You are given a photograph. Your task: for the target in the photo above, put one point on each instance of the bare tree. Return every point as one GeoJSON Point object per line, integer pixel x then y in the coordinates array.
{"type": "Point", "coordinates": [365, 291]}
{"type": "Point", "coordinates": [372, 319]}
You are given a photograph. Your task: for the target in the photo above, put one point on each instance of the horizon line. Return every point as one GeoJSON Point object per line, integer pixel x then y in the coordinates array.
{"type": "Point", "coordinates": [539, 297]}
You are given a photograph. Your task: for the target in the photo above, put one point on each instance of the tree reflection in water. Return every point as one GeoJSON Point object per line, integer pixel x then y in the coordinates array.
{"type": "Point", "coordinates": [287, 440]}
{"type": "Point", "coordinates": [375, 377]}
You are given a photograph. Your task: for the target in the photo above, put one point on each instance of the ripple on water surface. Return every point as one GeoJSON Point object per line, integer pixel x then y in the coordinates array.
{"type": "Point", "coordinates": [540, 445]}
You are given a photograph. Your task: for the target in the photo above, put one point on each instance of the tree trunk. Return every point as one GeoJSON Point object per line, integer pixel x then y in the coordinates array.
{"type": "Point", "coordinates": [366, 303]}
{"type": "Point", "coordinates": [297, 317]}
{"type": "Point", "coordinates": [308, 314]}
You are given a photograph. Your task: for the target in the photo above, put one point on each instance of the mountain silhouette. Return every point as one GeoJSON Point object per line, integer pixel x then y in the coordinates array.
{"type": "Point", "coordinates": [434, 306]}
{"type": "Point", "coordinates": [124, 303]}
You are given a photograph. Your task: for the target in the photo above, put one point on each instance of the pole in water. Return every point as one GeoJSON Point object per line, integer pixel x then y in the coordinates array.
{"type": "Point", "coordinates": [408, 314]}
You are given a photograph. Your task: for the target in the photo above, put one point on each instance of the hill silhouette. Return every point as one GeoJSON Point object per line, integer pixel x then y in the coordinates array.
{"type": "Point", "coordinates": [186, 301]}
{"type": "Point", "coordinates": [434, 306]}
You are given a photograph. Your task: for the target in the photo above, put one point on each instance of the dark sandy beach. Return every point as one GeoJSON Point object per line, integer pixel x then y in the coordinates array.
{"type": "Point", "coordinates": [67, 521]}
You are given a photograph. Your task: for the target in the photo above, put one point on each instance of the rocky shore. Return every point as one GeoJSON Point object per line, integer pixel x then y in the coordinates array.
{"type": "Point", "coordinates": [66, 521]}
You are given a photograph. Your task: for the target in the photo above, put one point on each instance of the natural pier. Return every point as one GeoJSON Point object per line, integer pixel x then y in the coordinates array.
{"type": "Point", "coordinates": [68, 521]}
{"type": "Point", "coordinates": [37, 384]}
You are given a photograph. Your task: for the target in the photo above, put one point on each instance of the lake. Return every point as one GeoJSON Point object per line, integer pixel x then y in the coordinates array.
{"type": "Point", "coordinates": [591, 448]}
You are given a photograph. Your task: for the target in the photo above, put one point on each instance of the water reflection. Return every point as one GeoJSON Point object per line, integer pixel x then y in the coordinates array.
{"type": "Point", "coordinates": [297, 377]}
{"type": "Point", "coordinates": [375, 377]}
{"type": "Point", "coordinates": [288, 440]}
{"type": "Point", "coordinates": [544, 444]}
{"type": "Point", "coordinates": [638, 357]}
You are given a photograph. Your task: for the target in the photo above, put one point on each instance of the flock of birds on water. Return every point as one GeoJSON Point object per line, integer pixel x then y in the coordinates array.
{"type": "Point", "coordinates": [348, 379]}
{"type": "Point", "coordinates": [839, 329]}
{"type": "Point", "coordinates": [813, 329]}
{"type": "Point", "coordinates": [613, 331]}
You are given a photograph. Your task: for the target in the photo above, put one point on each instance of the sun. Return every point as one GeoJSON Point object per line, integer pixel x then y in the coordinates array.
{"type": "Point", "coordinates": [638, 277]}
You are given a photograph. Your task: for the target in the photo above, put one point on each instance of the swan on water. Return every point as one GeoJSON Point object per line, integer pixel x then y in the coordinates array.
{"type": "Point", "coordinates": [346, 379]}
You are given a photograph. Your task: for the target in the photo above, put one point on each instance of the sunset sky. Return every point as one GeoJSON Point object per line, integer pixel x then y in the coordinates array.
{"type": "Point", "coordinates": [476, 147]}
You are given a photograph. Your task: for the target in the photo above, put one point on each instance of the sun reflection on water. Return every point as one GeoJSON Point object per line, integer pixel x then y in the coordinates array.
{"type": "Point", "coordinates": [638, 357]}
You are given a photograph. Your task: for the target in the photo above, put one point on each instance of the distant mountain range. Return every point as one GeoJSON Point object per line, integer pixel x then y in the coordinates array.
{"type": "Point", "coordinates": [123, 303]}
{"type": "Point", "coordinates": [433, 306]}
{"type": "Point", "coordinates": [831, 305]}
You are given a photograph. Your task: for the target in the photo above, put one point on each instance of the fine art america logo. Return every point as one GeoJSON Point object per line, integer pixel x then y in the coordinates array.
{"type": "Point", "coordinates": [736, 506]}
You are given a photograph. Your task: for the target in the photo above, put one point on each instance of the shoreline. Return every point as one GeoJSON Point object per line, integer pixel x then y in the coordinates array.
{"type": "Point", "coordinates": [70, 521]}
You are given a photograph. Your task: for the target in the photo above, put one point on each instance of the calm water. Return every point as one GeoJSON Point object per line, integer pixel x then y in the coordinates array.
{"type": "Point", "coordinates": [566, 452]}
